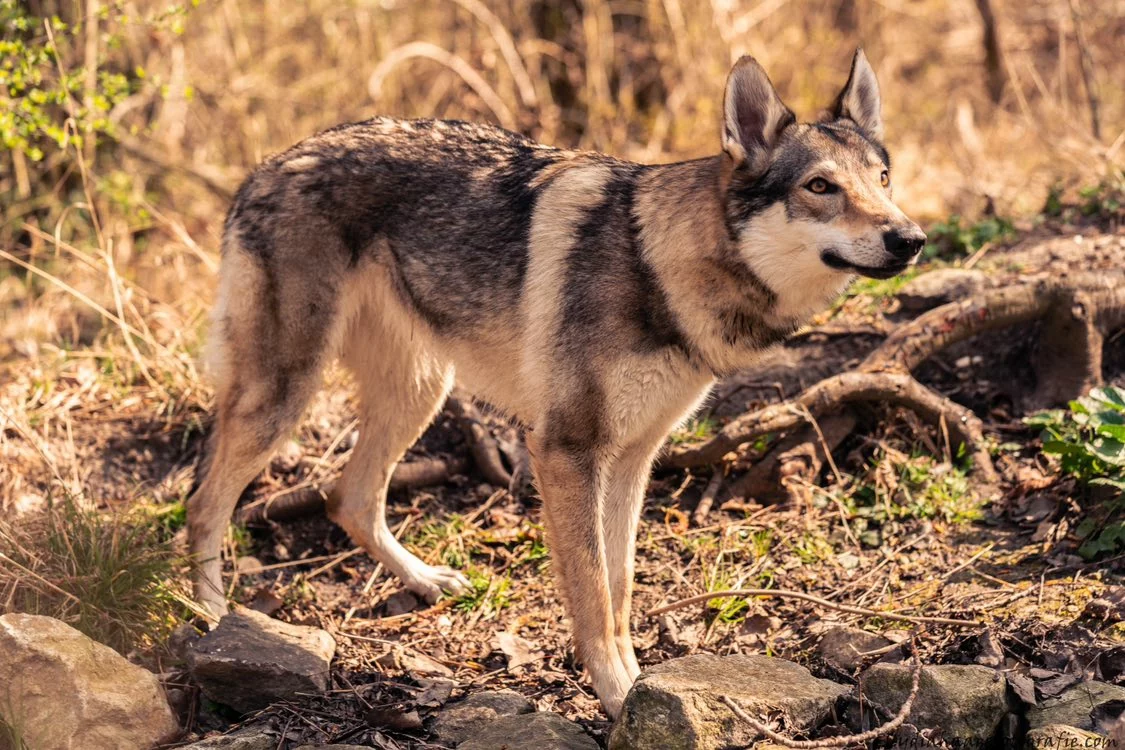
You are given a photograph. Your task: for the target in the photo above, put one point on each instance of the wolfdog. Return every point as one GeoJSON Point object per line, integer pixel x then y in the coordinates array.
{"type": "Point", "coordinates": [592, 300]}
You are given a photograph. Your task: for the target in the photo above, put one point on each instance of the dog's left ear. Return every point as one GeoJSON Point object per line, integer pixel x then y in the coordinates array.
{"type": "Point", "coordinates": [859, 101]}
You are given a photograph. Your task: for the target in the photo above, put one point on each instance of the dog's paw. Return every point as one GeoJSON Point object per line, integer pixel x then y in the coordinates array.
{"type": "Point", "coordinates": [432, 582]}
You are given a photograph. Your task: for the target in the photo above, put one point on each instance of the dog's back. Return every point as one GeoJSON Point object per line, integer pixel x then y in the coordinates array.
{"type": "Point", "coordinates": [449, 203]}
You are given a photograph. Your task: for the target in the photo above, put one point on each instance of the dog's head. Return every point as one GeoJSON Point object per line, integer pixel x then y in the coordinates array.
{"type": "Point", "coordinates": [810, 203]}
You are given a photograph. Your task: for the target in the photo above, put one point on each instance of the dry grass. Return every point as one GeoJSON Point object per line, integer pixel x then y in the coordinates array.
{"type": "Point", "coordinates": [110, 577]}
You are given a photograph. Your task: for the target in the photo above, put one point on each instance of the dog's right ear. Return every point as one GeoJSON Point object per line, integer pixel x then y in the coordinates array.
{"type": "Point", "coordinates": [754, 117]}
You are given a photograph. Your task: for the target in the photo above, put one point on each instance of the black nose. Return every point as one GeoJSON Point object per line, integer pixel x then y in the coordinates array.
{"type": "Point", "coordinates": [904, 243]}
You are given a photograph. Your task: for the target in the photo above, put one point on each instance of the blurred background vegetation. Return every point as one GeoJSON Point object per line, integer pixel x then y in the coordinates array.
{"type": "Point", "coordinates": [126, 124]}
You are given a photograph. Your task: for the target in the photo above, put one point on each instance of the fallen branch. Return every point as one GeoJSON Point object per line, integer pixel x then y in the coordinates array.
{"type": "Point", "coordinates": [850, 387]}
{"type": "Point", "coordinates": [843, 741]}
{"type": "Point", "coordinates": [785, 594]}
{"type": "Point", "coordinates": [311, 501]}
{"type": "Point", "coordinates": [699, 515]}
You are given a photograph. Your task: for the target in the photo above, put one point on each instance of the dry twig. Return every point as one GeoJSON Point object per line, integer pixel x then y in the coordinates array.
{"type": "Point", "coordinates": [785, 594]}
{"type": "Point", "coordinates": [842, 741]}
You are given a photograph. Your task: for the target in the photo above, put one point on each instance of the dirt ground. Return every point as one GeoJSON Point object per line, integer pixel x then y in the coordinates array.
{"type": "Point", "coordinates": [1006, 561]}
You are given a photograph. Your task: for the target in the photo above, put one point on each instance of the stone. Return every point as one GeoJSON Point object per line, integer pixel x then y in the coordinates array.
{"type": "Point", "coordinates": [541, 731]}
{"type": "Point", "coordinates": [1062, 736]}
{"type": "Point", "coordinates": [1075, 707]}
{"type": "Point", "coordinates": [64, 691]}
{"type": "Point", "coordinates": [333, 747]}
{"type": "Point", "coordinates": [675, 705]}
{"type": "Point", "coordinates": [939, 287]}
{"type": "Point", "coordinates": [250, 661]}
{"type": "Point", "coordinates": [244, 739]}
{"type": "Point", "coordinates": [458, 721]}
{"type": "Point", "coordinates": [841, 646]}
{"type": "Point", "coordinates": [965, 702]}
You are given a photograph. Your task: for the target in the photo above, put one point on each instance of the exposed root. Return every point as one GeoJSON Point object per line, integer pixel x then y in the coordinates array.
{"type": "Point", "coordinates": [1077, 312]}
{"type": "Point", "coordinates": [797, 459]}
{"type": "Point", "coordinates": [850, 387]}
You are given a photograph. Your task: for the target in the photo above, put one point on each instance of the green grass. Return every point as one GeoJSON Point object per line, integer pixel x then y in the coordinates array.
{"type": "Point", "coordinates": [489, 594]}
{"type": "Point", "coordinates": [109, 576]}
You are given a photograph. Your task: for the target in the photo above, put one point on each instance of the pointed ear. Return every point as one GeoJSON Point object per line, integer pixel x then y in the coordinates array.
{"type": "Point", "coordinates": [754, 116]}
{"type": "Point", "coordinates": [859, 101]}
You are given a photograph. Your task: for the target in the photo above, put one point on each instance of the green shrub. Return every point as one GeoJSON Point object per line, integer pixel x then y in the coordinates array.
{"type": "Point", "coordinates": [1089, 440]}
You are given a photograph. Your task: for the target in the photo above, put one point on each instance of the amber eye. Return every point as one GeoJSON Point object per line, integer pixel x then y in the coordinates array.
{"type": "Point", "coordinates": [885, 178]}
{"type": "Point", "coordinates": [820, 185]}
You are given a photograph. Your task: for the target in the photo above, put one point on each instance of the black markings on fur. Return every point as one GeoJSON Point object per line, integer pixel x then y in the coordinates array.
{"type": "Point", "coordinates": [451, 201]}
{"type": "Point", "coordinates": [609, 280]}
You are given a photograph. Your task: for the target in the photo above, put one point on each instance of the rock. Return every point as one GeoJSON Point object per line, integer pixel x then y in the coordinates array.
{"type": "Point", "coordinates": [244, 739]}
{"type": "Point", "coordinates": [938, 287]}
{"type": "Point", "coordinates": [542, 731]}
{"type": "Point", "coordinates": [460, 720]}
{"type": "Point", "coordinates": [65, 691]}
{"type": "Point", "coordinates": [249, 660]}
{"type": "Point", "coordinates": [333, 747]}
{"type": "Point", "coordinates": [841, 646]}
{"type": "Point", "coordinates": [676, 704]}
{"type": "Point", "coordinates": [1075, 707]}
{"type": "Point", "coordinates": [1060, 735]}
{"type": "Point", "coordinates": [965, 702]}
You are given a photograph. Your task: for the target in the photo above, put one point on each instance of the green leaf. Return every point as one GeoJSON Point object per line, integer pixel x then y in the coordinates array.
{"type": "Point", "coordinates": [1115, 431]}
{"type": "Point", "coordinates": [1110, 395]}
{"type": "Point", "coordinates": [1109, 450]}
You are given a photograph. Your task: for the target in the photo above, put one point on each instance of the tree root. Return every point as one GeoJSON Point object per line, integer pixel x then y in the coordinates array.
{"type": "Point", "coordinates": [1077, 312]}
{"type": "Point", "coordinates": [796, 460]}
{"type": "Point", "coordinates": [849, 387]}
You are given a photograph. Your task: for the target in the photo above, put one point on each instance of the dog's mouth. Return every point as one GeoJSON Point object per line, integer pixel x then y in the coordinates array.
{"type": "Point", "coordinates": [832, 260]}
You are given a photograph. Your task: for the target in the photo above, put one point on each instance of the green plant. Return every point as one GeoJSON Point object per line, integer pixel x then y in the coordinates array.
{"type": "Point", "coordinates": [489, 594]}
{"type": "Point", "coordinates": [956, 238]}
{"type": "Point", "coordinates": [109, 576]}
{"type": "Point", "coordinates": [696, 429]}
{"type": "Point", "coordinates": [53, 94]}
{"type": "Point", "coordinates": [1089, 440]}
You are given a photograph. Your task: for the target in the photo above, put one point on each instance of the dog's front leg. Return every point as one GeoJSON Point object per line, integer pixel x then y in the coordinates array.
{"type": "Point", "coordinates": [625, 494]}
{"type": "Point", "coordinates": [571, 484]}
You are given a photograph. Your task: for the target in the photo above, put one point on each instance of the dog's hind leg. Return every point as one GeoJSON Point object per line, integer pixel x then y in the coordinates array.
{"type": "Point", "coordinates": [401, 386]}
{"type": "Point", "coordinates": [267, 351]}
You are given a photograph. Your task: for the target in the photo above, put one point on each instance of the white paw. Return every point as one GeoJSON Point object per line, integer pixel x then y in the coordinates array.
{"type": "Point", "coordinates": [611, 688]}
{"type": "Point", "coordinates": [431, 582]}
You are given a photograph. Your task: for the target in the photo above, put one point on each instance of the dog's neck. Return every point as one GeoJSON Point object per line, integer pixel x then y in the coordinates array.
{"type": "Point", "coordinates": [729, 314]}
